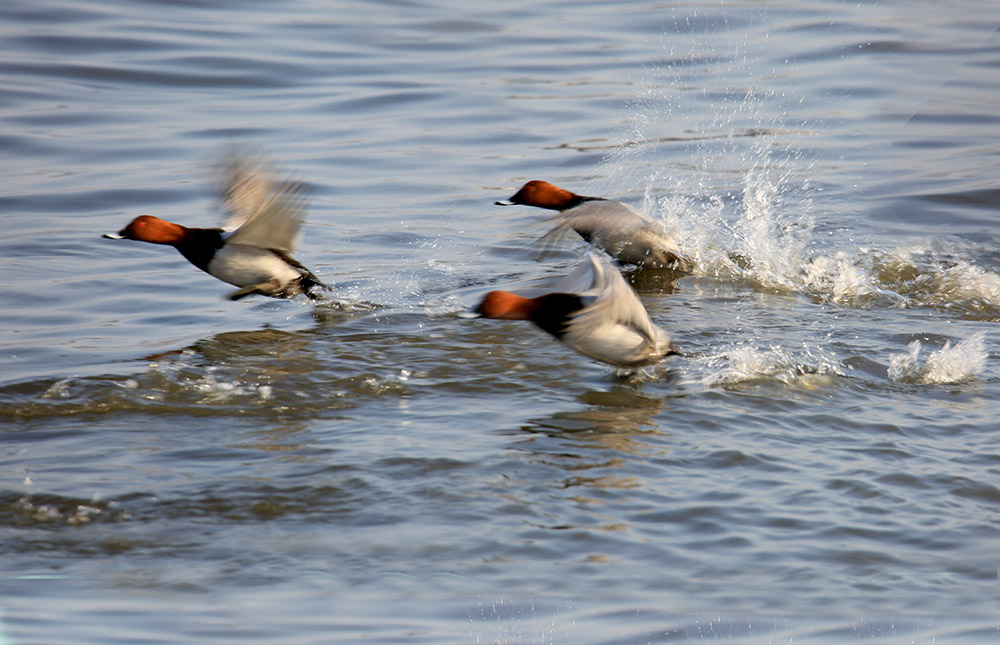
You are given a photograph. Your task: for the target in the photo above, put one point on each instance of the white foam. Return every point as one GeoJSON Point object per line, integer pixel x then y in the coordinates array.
{"type": "Point", "coordinates": [745, 363]}
{"type": "Point", "coordinates": [950, 364]}
{"type": "Point", "coordinates": [446, 305]}
{"type": "Point", "coordinates": [764, 231]}
{"type": "Point", "coordinates": [58, 390]}
{"type": "Point", "coordinates": [966, 282]}
{"type": "Point", "coordinates": [847, 279]}
{"type": "Point", "coordinates": [216, 389]}
{"type": "Point", "coordinates": [772, 250]}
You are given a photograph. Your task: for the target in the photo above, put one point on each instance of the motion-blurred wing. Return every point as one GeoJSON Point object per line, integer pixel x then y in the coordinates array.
{"type": "Point", "coordinates": [277, 221]}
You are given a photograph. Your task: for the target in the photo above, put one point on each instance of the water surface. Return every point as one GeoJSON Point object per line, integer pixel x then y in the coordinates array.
{"type": "Point", "coordinates": [820, 464]}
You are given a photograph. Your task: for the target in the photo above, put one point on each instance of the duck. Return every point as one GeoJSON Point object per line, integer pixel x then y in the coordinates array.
{"type": "Point", "coordinates": [623, 232]}
{"type": "Point", "coordinates": [253, 250]}
{"type": "Point", "coordinates": [591, 310]}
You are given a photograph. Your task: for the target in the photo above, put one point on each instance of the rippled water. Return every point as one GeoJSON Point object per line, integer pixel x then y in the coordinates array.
{"type": "Point", "coordinates": [820, 465]}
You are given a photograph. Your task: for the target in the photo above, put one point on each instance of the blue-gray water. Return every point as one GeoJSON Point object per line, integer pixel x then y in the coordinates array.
{"type": "Point", "coordinates": [821, 465]}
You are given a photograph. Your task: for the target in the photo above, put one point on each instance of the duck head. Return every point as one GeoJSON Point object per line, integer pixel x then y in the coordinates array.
{"type": "Point", "coordinates": [147, 228]}
{"type": "Point", "coordinates": [541, 194]}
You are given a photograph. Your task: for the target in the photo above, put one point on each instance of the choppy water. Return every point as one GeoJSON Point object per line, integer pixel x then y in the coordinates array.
{"type": "Point", "coordinates": [820, 465]}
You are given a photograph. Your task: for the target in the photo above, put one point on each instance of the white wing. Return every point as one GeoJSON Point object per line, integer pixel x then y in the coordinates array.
{"type": "Point", "coordinates": [614, 313]}
{"type": "Point", "coordinates": [629, 235]}
{"type": "Point", "coordinates": [580, 280]}
{"type": "Point", "coordinates": [245, 184]}
{"type": "Point", "coordinates": [556, 237]}
{"type": "Point", "coordinates": [276, 222]}
{"type": "Point", "coordinates": [604, 215]}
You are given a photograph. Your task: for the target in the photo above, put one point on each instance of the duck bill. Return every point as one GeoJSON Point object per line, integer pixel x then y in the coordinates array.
{"type": "Point", "coordinates": [114, 236]}
{"type": "Point", "coordinates": [505, 202]}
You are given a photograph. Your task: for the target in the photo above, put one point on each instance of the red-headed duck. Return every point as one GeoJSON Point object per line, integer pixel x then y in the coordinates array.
{"type": "Point", "coordinates": [623, 232]}
{"type": "Point", "coordinates": [592, 310]}
{"type": "Point", "coordinates": [257, 255]}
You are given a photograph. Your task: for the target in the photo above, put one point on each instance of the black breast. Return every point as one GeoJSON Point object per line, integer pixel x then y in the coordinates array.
{"type": "Point", "coordinates": [200, 245]}
{"type": "Point", "coordinates": [554, 311]}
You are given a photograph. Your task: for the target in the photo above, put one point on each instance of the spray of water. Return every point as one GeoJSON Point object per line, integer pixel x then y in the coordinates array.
{"type": "Point", "coordinates": [950, 364]}
{"type": "Point", "coordinates": [746, 363]}
{"type": "Point", "coordinates": [736, 189]}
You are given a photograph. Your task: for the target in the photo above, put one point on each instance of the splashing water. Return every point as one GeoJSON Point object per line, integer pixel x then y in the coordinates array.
{"type": "Point", "coordinates": [738, 196]}
{"type": "Point", "coordinates": [950, 364]}
{"type": "Point", "coordinates": [730, 185]}
{"type": "Point", "coordinates": [740, 202]}
{"type": "Point", "coordinates": [905, 277]}
{"type": "Point", "coordinates": [769, 244]}
{"type": "Point", "coordinates": [745, 363]}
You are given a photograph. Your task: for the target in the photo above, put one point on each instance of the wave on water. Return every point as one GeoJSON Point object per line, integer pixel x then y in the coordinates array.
{"type": "Point", "coordinates": [738, 186]}
{"type": "Point", "coordinates": [811, 367]}
{"type": "Point", "coordinates": [776, 251]}
{"type": "Point", "coordinates": [950, 364]}
{"type": "Point", "coordinates": [916, 276]}
{"type": "Point", "coordinates": [48, 509]}
{"type": "Point", "coordinates": [745, 363]}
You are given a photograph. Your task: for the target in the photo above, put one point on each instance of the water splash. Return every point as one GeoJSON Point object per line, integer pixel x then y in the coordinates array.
{"type": "Point", "coordinates": [214, 384]}
{"type": "Point", "coordinates": [745, 363]}
{"type": "Point", "coordinates": [63, 510]}
{"type": "Point", "coordinates": [737, 190]}
{"type": "Point", "coordinates": [767, 238]}
{"type": "Point", "coordinates": [950, 364]}
{"type": "Point", "coordinates": [846, 279]}
{"type": "Point", "coordinates": [915, 276]}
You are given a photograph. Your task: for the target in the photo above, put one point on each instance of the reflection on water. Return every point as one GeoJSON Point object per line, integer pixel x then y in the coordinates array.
{"type": "Point", "coordinates": [612, 421]}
